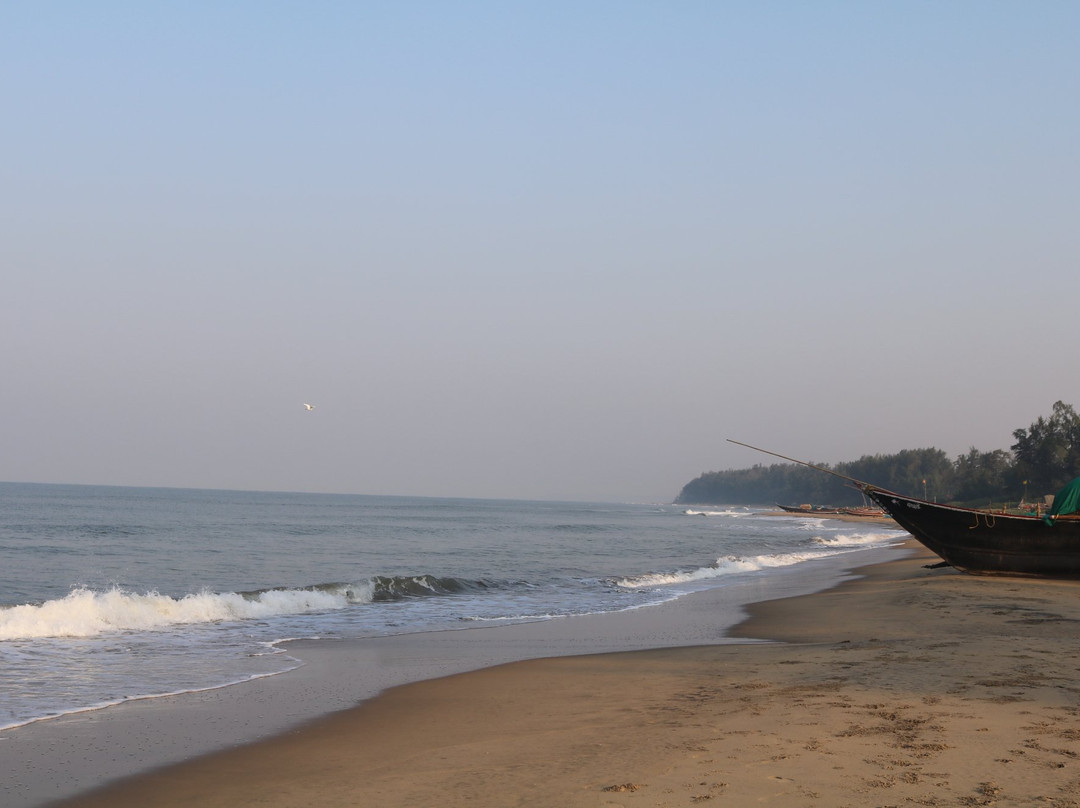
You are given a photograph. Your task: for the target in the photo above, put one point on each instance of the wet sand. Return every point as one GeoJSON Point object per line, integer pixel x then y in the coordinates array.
{"type": "Point", "coordinates": [907, 686]}
{"type": "Point", "coordinates": [76, 753]}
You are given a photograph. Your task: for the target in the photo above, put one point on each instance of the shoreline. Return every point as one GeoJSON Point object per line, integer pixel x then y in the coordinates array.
{"type": "Point", "coordinates": [73, 754]}
{"type": "Point", "coordinates": [903, 685]}
{"type": "Point", "coordinates": [884, 521]}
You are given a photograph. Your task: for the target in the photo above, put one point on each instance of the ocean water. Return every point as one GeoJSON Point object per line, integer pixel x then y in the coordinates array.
{"type": "Point", "coordinates": [109, 594]}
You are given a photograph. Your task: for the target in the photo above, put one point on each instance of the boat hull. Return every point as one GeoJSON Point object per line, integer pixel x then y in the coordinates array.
{"type": "Point", "coordinates": [809, 510]}
{"type": "Point", "coordinates": [987, 543]}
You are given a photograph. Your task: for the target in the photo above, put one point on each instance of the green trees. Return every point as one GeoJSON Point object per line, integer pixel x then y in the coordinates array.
{"type": "Point", "coordinates": [985, 474]}
{"type": "Point", "coordinates": [780, 482]}
{"type": "Point", "coordinates": [919, 471]}
{"type": "Point", "coordinates": [915, 470]}
{"type": "Point", "coordinates": [1047, 454]}
{"type": "Point", "coordinates": [1044, 458]}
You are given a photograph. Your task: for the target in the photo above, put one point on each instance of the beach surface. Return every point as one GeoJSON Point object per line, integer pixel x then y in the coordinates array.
{"type": "Point", "coordinates": [904, 686]}
{"type": "Point", "coordinates": [77, 752]}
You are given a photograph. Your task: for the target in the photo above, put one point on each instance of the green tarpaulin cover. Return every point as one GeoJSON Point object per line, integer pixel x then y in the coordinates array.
{"type": "Point", "coordinates": [1067, 500]}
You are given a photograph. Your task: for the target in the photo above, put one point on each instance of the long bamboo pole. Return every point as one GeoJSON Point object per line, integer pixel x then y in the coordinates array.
{"type": "Point", "coordinates": [859, 483]}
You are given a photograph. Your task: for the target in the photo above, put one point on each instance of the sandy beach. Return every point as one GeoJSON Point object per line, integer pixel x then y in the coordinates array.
{"type": "Point", "coordinates": [905, 686]}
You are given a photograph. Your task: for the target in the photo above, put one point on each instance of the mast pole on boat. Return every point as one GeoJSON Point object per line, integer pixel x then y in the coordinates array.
{"type": "Point", "coordinates": [862, 486]}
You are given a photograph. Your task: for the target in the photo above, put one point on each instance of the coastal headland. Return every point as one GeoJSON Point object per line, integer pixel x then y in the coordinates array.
{"type": "Point", "coordinates": [903, 686]}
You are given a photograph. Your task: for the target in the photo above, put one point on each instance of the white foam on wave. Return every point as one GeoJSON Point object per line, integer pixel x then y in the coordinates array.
{"type": "Point", "coordinates": [858, 539]}
{"type": "Point", "coordinates": [731, 565]}
{"type": "Point", "coordinates": [690, 512]}
{"type": "Point", "coordinates": [88, 613]}
{"type": "Point", "coordinates": [839, 543]}
{"type": "Point", "coordinates": [511, 618]}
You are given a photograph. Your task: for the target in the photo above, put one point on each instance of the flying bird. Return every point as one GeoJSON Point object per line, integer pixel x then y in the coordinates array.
{"type": "Point", "coordinates": [309, 407]}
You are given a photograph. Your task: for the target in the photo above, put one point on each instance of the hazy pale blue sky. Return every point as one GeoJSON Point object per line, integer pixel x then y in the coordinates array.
{"type": "Point", "coordinates": [553, 250]}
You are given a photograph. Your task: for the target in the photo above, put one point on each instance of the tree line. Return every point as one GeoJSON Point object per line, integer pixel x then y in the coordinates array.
{"type": "Point", "coordinates": [1044, 457]}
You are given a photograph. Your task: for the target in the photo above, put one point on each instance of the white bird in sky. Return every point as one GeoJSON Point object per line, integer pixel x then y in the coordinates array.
{"type": "Point", "coordinates": [309, 407]}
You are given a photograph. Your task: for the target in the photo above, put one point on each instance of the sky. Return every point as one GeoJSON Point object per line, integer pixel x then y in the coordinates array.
{"type": "Point", "coordinates": [556, 251]}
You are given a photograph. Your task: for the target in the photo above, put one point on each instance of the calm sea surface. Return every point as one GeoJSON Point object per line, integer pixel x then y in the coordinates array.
{"type": "Point", "coordinates": [109, 594]}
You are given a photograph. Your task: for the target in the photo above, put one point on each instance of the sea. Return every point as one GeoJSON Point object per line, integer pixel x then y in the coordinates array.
{"type": "Point", "coordinates": [109, 594]}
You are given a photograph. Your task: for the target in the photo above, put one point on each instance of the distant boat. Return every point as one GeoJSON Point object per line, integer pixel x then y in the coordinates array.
{"type": "Point", "coordinates": [984, 541]}
{"type": "Point", "coordinates": [814, 510]}
{"type": "Point", "coordinates": [865, 513]}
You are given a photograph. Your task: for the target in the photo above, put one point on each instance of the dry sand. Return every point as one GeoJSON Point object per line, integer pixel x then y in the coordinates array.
{"type": "Point", "coordinates": [908, 686]}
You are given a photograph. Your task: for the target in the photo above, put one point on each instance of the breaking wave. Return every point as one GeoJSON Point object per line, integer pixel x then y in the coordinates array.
{"type": "Point", "coordinates": [855, 540]}
{"type": "Point", "coordinates": [729, 512]}
{"type": "Point", "coordinates": [90, 613]}
{"type": "Point", "coordinates": [731, 565]}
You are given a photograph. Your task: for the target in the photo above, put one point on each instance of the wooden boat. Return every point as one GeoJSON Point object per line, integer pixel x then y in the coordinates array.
{"type": "Point", "coordinates": [809, 510]}
{"type": "Point", "coordinates": [986, 542]}
{"type": "Point", "coordinates": [981, 541]}
{"type": "Point", "coordinates": [865, 513]}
